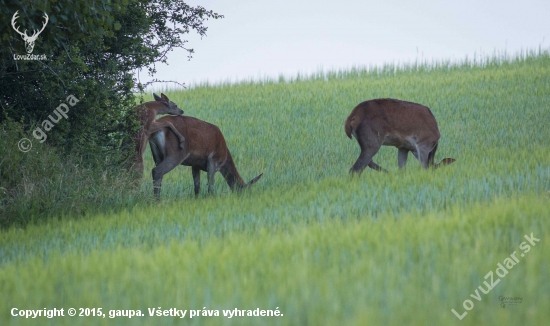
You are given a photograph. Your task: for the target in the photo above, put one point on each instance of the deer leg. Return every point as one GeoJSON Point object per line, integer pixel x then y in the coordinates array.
{"type": "Point", "coordinates": [180, 137]}
{"type": "Point", "coordinates": [196, 179]}
{"type": "Point", "coordinates": [365, 158]}
{"type": "Point", "coordinates": [376, 167]}
{"type": "Point", "coordinates": [423, 155]}
{"type": "Point", "coordinates": [370, 142]}
{"type": "Point", "coordinates": [159, 125]}
{"type": "Point", "coordinates": [141, 144]}
{"type": "Point", "coordinates": [157, 154]}
{"type": "Point", "coordinates": [160, 170]}
{"type": "Point", "coordinates": [402, 154]}
{"type": "Point", "coordinates": [431, 156]}
{"type": "Point", "coordinates": [210, 172]}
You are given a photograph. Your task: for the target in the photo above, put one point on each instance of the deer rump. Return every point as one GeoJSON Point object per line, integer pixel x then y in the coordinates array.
{"type": "Point", "coordinates": [204, 149]}
{"type": "Point", "coordinates": [410, 127]}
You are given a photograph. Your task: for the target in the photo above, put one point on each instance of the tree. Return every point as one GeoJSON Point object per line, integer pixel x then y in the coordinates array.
{"type": "Point", "coordinates": [92, 49]}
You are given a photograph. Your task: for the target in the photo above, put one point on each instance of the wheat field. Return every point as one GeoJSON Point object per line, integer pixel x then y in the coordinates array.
{"type": "Point", "coordinates": [308, 240]}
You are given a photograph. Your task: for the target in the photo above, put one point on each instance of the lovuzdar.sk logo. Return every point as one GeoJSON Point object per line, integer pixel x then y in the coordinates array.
{"type": "Point", "coordinates": [29, 39]}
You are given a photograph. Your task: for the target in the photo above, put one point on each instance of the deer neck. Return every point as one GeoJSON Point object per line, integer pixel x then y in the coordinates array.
{"type": "Point", "coordinates": [148, 111]}
{"type": "Point", "coordinates": [147, 116]}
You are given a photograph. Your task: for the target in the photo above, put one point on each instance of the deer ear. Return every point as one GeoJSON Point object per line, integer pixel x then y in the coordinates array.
{"type": "Point", "coordinates": [164, 98]}
{"type": "Point", "coordinates": [157, 98]}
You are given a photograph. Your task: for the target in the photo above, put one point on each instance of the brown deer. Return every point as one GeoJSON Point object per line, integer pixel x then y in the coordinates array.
{"type": "Point", "coordinates": [410, 127]}
{"type": "Point", "coordinates": [147, 114]}
{"type": "Point", "coordinates": [204, 149]}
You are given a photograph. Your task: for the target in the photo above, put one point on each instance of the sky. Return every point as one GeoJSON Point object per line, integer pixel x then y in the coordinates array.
{"type": "Point", "coordinates": [259, 39]}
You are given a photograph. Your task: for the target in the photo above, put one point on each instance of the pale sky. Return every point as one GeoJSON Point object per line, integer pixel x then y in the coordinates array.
{"type": "Point", "coordinates": [260, 38]}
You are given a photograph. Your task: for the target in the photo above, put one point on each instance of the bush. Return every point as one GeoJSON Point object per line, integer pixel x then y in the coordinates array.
{"type": "Point", "coordinates": [43, 183]}
{"type": "Point", "coordinates": [92, 50]}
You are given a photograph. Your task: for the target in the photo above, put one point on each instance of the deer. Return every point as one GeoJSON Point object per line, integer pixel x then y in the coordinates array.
{"type": "Point", "coordinates": [29, 40]}
{"type": "Point", "coordinates": [411, 127]}
{"type": "Point", "coordinates": [205, 150]}
{"type": "Point", "coordinates": [147, 114]}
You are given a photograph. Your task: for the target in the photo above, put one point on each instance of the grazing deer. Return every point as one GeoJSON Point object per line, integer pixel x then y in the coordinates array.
{"type": "Point", "coordinates": [204, 149]}
{"type": "Point", "coordinates": [147, 114]}
{"type": "Point", "coordinates": [29, 40]}
{"type": "Point", "coordinates": [408, 126]}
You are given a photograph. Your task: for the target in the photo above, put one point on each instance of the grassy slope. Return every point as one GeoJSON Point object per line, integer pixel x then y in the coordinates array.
{"type": "Point", "coordinates": [403, 247]}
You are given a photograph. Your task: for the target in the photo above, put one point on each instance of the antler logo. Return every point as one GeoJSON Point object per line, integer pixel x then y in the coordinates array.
{"type": "Point", "coordinates": [29, 40]}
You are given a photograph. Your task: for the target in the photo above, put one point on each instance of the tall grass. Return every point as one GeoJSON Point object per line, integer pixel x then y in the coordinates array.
{"type": "Point", "coordinates": [326, 249]}
{"type": "Point", "coordinates": [336, 271]}
{"type": "Point", "coordinates": [44, 183]}
{"type": "Point", "coordinates": [294, 131]}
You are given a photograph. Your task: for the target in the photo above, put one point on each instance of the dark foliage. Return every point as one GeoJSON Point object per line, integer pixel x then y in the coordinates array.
{"type": "Point", "coordinates": [92, 49]}
{"type": "Point", "coordinates": [89, 50]}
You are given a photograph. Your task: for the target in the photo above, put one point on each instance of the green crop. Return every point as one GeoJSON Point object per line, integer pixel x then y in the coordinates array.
{"type": "Point", "coordinates": [309, 240]}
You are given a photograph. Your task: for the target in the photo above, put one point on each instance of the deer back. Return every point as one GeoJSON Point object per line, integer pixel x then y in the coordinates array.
{"type": "Point", "coordinates": [202, 139]}
{"type": "Point", "coordinates": [393, 117]}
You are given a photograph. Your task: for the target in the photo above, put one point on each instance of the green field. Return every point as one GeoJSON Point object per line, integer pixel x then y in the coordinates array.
{"type": "Point", "coordinates": [308, 240]}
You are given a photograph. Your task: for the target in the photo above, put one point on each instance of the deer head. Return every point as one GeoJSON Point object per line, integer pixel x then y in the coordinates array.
{"type": "Point", "coordinates": [169, 106]}
{"type": "Point", "coordinates": [29, 40]}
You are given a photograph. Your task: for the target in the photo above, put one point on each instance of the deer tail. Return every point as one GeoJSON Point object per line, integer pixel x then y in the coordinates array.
{"type": "Point", "coordinates": [348, 128]}
{"type": "Point", "coordinates": [232, 177]}
{"type": "Point", "coordinates": [445, 161]}
{"type": "Point", "coordinates": [253, 181]}
{"type": "Point", "coordinates": [431, 155]}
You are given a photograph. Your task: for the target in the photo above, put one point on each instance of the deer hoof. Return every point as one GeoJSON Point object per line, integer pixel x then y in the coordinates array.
{"type": "Point", "coordinates": [181, 145]}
